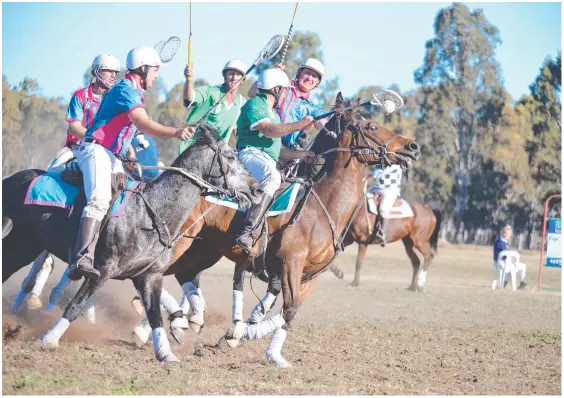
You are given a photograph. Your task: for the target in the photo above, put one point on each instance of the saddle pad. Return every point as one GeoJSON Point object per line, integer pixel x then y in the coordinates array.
{"type": "Point", "coordinates": [283, 203]}
{"type": "Point", "coordinates": [402, 211]}
{"type": "Point", "coordinates": [51, 190]}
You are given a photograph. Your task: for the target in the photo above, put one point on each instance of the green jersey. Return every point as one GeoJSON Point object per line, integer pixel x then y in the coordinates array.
{"type": "Point", "coordinates": [223, 118]}
{"type": "Point", "coordinates": [255, 111]}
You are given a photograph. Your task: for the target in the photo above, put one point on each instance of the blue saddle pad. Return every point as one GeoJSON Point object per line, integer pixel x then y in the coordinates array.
{"type": "Point", "coordinates": [51, 190]}
{"type": "Point", "coordinates": [283, 203]}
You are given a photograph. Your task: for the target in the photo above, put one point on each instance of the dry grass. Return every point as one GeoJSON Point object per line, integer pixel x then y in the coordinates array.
{"type": "Point", "coordinates": [458, 337]}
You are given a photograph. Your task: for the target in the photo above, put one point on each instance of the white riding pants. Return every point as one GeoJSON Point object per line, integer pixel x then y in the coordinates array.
{"type": "Point", "coordinates": [97, 164]}
{"type": "Point", "coordinates": [263, 168]}
{"type": "Point", "coordinates": [61, 158]}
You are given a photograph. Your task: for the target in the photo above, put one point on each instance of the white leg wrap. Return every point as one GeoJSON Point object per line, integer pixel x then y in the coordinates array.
{"type": "Point", "coordinates": [260, 330]}
{"type": "Point", "coordinates": [421, 278]}
{"type": "Point", "coordinates": [162, 346]}
{"type": "Point", "coordinates": [196, 302]}
{"type": "Point", "coordinates": [91, 312]}
{"type": "Point", "coordinates": [141, 333]}
{"type": "Point", "coordinates": [185, 305]}
{"type": "Point", "coordinates": [58, 291]}
{"type": "Point", "coordinates": [169, 303]}
{"type": "Point", "coordinates": [237, 305]}
{"type": "Point", "coordinates": [56, 332]}
{"type": "Point", "coordinates": [257, 315]}
{"type": "Point", "coordinates": [274, 350]}
{"type": "Point", "coordinates": [18, 302]}
{"type": "Point", "coordinates": [42, 276]}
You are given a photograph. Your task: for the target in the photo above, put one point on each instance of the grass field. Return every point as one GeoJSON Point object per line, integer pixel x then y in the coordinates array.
{"type": "Point", "coordinates": [457, 337]}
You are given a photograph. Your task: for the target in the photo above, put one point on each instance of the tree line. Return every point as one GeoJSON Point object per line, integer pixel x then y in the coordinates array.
{"type": "Point", "coordinates": [487, 159]}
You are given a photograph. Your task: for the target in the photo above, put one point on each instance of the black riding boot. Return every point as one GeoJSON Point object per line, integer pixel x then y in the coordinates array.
{"type": "Point", "coordinates": [83, 259]}
{"type": "Point", "coordinates": [252, 219]}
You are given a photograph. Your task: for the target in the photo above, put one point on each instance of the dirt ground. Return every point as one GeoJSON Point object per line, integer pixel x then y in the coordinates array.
{"type": "Point", "coordinates": [457, 337]}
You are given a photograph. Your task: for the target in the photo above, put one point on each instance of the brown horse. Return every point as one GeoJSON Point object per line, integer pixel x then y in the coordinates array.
{"type": "Point", "coordinates": [297, 252]}
{"type": "Point", "coordinates": [420, 232]}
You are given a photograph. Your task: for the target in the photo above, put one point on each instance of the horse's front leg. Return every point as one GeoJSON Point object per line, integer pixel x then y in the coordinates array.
{"type": "Point", "coordinates": [267, 302]}
{"type": "Point", "coordinates": [75, 308]}
{"type": "Point", "coordinates": [150, 287]}
{"type": "Point", "coordinates": [32, 286]}
{"type": "Point", "coordinates": [237, 331]}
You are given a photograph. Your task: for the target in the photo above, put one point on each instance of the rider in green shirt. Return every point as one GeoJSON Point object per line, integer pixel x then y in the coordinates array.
{"type": "Point", "coordinates": [224, 116]}
{"type": "Point", "coordinates": [259, 146]}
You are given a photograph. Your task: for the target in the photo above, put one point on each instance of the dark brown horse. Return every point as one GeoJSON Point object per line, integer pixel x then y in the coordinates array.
{"type": "Point", "coordinates": [419, 232]}
{"type": "Point", "coordinates": [296, 253]}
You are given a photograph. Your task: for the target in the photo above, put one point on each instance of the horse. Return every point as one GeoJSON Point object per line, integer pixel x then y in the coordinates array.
{"type": "Point", "coordinates": [302, 243]}
{"type": "Point", "coordinates": [420, 231]}
{"type": "Point", "coordinates": [137, 245]}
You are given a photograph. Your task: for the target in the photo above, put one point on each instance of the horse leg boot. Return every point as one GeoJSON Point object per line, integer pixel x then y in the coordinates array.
{"type": "Point", "coordinates": [83, 261]}
{"type": "Point", "coordinates": [237, 331]}
{"type": "Point", "coordinates": [150, 287]}
{"type": "Point", "coordinates": [33, 302]}
{"type": "Point", "coordinates": [73, 310]}
{"type": "Point", "coordinates": [29, 283]}
{"type": "Point", "coordinates": [253, 218]}
{"type": "Point", "coordinates": [267, 302]}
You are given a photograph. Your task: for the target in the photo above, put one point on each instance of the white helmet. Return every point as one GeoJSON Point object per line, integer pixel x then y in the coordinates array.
{"type": "Point", "coordinates": [141, 56]}
{"type": "Point", "coordinates": [314, 65]}
{"type": "Point", "coordinates": [106, 61]}
{"type": "Point", "coordinates": [235, 65]}
{"type": "Point", "coordinates": [271, 78]}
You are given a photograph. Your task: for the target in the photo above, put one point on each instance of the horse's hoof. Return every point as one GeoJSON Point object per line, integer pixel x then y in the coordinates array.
{"type": "Point", "coordinates": [179, 323]}
{"type": "Point", "coordinates": [33, 302]}
{"type": "Point", "coordinates": [237, 331]}
{"type": "Point", "coordinates": [48, 343]}
{"type": "Point", "coordinates": [177, 334]}
{"type": "Point", "coordinates": [353, 284]}
{"type": "Point", "coordinates": [170, 359]}
{"type": "Point", "coordinates": [225, 344]}
{"type": "Point", "coordinates": [196, 323]}
{"type": "Point", "coordinates": [279, 361]}
{"type": "Point", "coordinates": [138, 306]}
{"type": "Point", "coordinates": [140, 336]}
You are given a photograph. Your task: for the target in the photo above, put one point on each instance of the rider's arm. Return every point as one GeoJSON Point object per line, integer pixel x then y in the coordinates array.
{"type": "Point", "coordinates": [188, 91]}
{"type": "Point", "coordinates": [287, 154]}
{"type": "Point", "coordinates": [77, 129]}
{"type": "Point", "coordinates": [275, 130]}
{"type": "Point", "coordinates": [74, 116]}
{"type": "Point", "coordinates": [139, 118]}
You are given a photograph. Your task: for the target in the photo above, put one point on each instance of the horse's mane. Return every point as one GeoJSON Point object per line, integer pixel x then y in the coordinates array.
{"type": "Point", "coordinates": [205, 135]}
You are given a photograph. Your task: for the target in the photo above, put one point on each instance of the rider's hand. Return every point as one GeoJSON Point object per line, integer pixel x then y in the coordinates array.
{"type": "Point", "coordinates": [306, 155]}
{"type": "Point", "coordinates": [280, 66]}
{"type": "Point", "coordinates": [185, 132]}
{"type": "Point", "coordinates": [188, 72]}
{"type": "Point", "coordinates": [308, 122]}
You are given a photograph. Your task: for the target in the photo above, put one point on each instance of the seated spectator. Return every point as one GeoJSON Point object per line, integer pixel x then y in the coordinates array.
{"type": "Point", "coordinates": [502, 244]}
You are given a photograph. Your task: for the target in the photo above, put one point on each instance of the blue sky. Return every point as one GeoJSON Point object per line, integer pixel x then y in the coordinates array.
{"type": "Point", "coordinates": [363, 43]}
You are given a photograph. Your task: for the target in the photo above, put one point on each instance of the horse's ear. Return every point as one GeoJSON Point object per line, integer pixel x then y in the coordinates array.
{"type": "Point", "coordinates": [340, 98]}
{"type": "Point", "coordinates": [206, 133]}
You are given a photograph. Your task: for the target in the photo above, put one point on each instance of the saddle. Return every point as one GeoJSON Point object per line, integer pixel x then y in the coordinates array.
{"type": "Point", "coordinates": [72, 175]}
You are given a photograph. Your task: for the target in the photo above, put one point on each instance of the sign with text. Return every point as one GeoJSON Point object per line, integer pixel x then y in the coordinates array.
{"type": "Point", "coordinates": [554, 243]}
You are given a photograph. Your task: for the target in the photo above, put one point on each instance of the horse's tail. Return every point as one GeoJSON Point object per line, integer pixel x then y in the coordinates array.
{"type": "Point", "coordinates": [435, 235]}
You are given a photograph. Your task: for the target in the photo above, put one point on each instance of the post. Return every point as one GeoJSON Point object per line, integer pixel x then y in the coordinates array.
{"type": "Point", "coordinates": [544, 237]}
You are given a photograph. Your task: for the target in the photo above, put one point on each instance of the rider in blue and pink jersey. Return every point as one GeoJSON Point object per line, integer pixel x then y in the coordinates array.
{"type": "Point", "coordinates": [85, 103]}
{"type": "Point", "coordinates": [106, 140]}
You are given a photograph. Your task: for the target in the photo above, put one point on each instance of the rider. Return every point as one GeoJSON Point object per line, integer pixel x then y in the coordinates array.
{"type": "Point", "coordinates": [85, 103]}
{"type": "Point", "coordinates": [109, 136]}
{"type": "Point", "coordinates": [387, 184]}
{"type": "Point", "coordinates": [224, 117]}
{"type": "Point", "coordinates": [296, 102]}
{"type": "Point", "coordinates": [259, 145]}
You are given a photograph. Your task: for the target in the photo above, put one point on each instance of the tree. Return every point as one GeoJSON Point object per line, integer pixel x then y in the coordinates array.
{"type": "Point", "coordinates": [463, 95]}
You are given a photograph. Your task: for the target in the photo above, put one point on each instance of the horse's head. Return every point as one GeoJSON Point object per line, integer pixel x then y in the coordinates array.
{"type": "Point", "coordinates": [369, 143]}
{"type": "Point", "coordinates": [220, 166]}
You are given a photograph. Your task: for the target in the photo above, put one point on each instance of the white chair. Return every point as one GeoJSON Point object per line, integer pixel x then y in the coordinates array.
{"type": "Point", "coordinates": [507, 261]}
